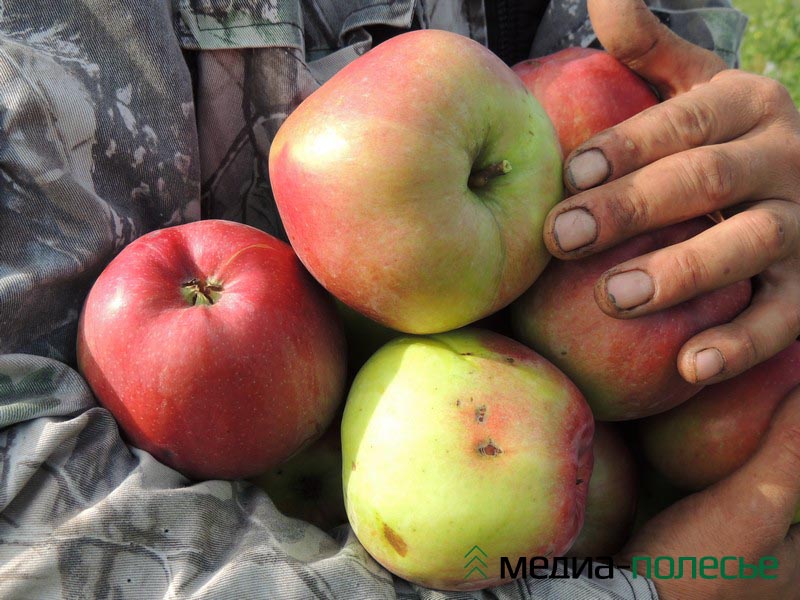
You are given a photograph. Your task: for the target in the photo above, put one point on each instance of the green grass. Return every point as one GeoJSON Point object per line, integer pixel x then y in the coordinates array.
{"type": "Point", "coordinates": [772, 41]}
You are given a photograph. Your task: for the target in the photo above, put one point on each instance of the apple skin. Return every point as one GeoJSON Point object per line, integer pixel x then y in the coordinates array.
{"type": "Point", "coordinates": [223, 390]}
{"type": "Point", "coordinates": [584, 91]}
{"type": "Point", "coordinates": [611, 499]}
{"type": "Point", "coordinates": [711, 435]}
{"type": "Point", "coordinates": [626, 368]}
{"type": "Point", "coordinates": [373, 176]}
{"type": "Point", "coordinates": [459, 439]}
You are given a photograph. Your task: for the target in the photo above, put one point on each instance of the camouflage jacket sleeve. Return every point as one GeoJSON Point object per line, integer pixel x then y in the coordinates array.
{"type": "Point", "coordinates": [117, 118]}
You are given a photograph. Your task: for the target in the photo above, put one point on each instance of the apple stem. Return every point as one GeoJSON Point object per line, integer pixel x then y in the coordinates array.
{"type": "Point", "coordinates": [480, 178]}
{"type": "Point", "coordinates": [199, 292]}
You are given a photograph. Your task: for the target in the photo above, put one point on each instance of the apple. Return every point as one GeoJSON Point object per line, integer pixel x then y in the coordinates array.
{"type": "Point", "coordinates": [626, 368]}
{"type": "Point", "coordinates": [584, 91]}
{"type": "Point", "coordinates": [611, 499]}
{"type": "Point", "coordinates": [414, 183]}
{"type": "Point", "coordinates": [213, 348]}
{"type": "Point", "coordinates": [461, 439]}
{"type": "Point", "coordinates": [308, 486]}
{"type": "Point", "coordinates": [711, 435]}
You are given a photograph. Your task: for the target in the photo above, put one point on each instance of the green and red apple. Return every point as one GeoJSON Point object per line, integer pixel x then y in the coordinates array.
{"type": "Point", "coordinates": [414, 183]}
{"type": "Point", "coordinates": [461, 439]}
{"type": "Point", "coordinates": [626, 368]}
{"type": "Point", "coordinates": [213, 348]}
{"type": "Point", "coordinates": [612, 495]}
{"type": "Point", "coordinates": [584, 91]}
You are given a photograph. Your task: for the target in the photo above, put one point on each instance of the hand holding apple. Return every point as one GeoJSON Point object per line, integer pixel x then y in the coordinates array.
{"type": "Point", "coordinates": [722, 140]}
{"type": "Point", "coordinates": [626, 368]}
{"type": "Point", "coordinates": [213, 348]}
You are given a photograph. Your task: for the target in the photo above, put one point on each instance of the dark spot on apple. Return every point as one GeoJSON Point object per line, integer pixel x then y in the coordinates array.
{"type": "Point", "coordinates": [509, 360]}
{"type": "Point", "coordinates": [353, 466]}
{"type": "Point", "coordinates": [480, 413]}
{"type": "Point", "coordinates": [563, 353]}
{"type": "Point", "coordinates": [579, 481]}
{"type": "Point", "coordinates": [489, 449]}
{"type": "Point", "coordinates": [395, 541]}
{"type": "Point", "coordinates": [466, 354]}
{"type": "Point", "coordinates": [458, 402]}
{"type": "Point", "coordinates": [531, 133]}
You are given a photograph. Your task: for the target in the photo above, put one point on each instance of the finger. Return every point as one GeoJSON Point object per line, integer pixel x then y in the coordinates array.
{"type": "Point", "coordinates": [767, 326]}
{"type": "Point", "coordinates": [634, 35]}
{"type": "Point", "coordinates": [727, 107]}
{"type": "Point", "coordinates": [731, 251]}
{"type": "Point", "coordinates": [673, 189]}
{"type": "Point", "coordinates": [765, 491]}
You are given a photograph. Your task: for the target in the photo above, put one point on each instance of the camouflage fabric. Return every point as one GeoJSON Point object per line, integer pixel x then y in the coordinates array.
{"type": "Point", "coordinates": [117, 118]}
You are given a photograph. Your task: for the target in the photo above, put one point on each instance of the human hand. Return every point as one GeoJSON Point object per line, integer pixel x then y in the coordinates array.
{"type": "Point", "coordinates": [721, 140]}
{"type": "Point", "coordinates": [748, 515]}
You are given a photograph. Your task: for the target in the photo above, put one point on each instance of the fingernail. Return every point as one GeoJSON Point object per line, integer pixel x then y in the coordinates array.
{"type": "Point", "coordinates": [707, 363]}
{"type": "Point", "coordinates": [574, 228]}
{"type": "Point", "coordinates": [588, 169]}
{"type": "Point", "coordinates": [630, 289]}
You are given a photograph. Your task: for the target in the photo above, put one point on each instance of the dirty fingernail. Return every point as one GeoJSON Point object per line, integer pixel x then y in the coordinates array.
{"type": "Point", "coordinates": [588, 169]}
{"type": "Point", "coordinates": [707, 363]}
{"type": "Point", "coordinates": [574, 228]}
{"type": "Point", "coordinates": [630, 289]}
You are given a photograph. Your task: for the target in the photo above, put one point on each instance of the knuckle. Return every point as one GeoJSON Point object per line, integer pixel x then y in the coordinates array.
{"type": "Point", "coordinates": [693, 270]}
{"type": "Point", "coordinates": [693, 122]}
{"type": "Point", "coordinates": [629, 210]}
{"type": "Point", "coordinates": [768, 234]}
{"type": "Point", "coordinates": [772, 94]}
{"type": "Point", "coordinates": [714, 175]}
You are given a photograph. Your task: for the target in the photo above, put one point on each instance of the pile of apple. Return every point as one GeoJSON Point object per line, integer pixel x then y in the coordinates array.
{"type": "Point", "coordinates": [413, 187]}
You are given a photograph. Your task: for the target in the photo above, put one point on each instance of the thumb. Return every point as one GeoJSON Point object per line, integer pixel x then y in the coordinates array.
{"type": "Point", "coordinates": [634, 36]}
{"type": "Point", "coordinates": [768, 485]}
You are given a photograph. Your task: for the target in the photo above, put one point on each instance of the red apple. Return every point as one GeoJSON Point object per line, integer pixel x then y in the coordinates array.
{"type": "Point", "coordinates": [713, 434]}
{"type": "Point", "coordinates": [611, 498]}
{"type": "Point", "coordinates": [415, 182]}
{"type": "Point", "coordinates": [213, 348]}
{"type": "Point", "coordinates": [627, 369]}
{"type": "Point", "coordinates": [584, 91]}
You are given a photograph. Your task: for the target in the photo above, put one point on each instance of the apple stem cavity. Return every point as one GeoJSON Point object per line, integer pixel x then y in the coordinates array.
{"type": "Point", "coordinates": [198, 292]}
{"type": "Point", "coordinates": [481, 177]}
